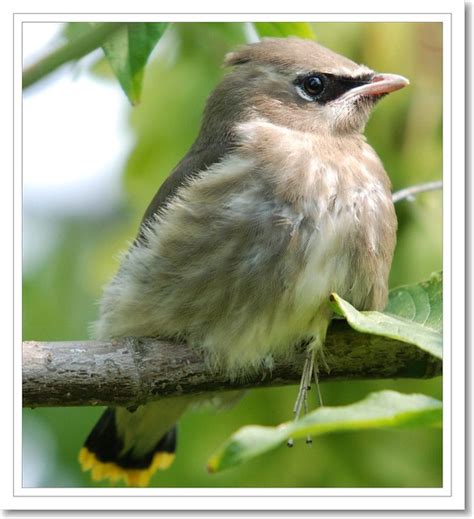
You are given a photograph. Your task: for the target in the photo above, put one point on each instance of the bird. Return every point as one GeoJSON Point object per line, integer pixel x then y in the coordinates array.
{"type": "Point", "coordinates": [278, 203]}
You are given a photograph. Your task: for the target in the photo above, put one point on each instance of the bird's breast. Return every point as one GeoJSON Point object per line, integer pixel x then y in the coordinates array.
{"type": "Point", "coordinates": [343, 222]}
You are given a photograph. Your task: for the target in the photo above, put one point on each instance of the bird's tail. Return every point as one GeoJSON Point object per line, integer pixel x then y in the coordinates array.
{"type": "Point", "coordinates": [133, 445]}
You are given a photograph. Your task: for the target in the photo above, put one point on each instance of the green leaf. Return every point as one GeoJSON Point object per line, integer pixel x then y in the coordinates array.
{"type": "Point", "coordinates": [421, 303]}
{"type": "Point", "coordinates": [128, 51]}
{"type": "Point", "coordinates": [381, 410]}
{"type": "Point", "coordinates": [414, 314]}
{"type": "Point", "coordinates": [283, 29]}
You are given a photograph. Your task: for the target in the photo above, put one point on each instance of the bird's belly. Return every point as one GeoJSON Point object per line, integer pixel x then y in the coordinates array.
{"type": "Point", "coordinates": [301, 311]}
{"type": "Point", "coordinates": [329, 264]}
{"type": "Point", "coordinates": [327, 268]}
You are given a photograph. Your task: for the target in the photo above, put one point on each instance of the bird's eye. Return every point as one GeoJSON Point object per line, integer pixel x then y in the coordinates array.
{"type": "Point", "coordinates": [314, 85]}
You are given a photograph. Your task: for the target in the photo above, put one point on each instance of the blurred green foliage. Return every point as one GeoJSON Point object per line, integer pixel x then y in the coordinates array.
{"type": "Point", "coordinates": [59, 296]}
{"type": "Point", "coordinates": [284, 29]}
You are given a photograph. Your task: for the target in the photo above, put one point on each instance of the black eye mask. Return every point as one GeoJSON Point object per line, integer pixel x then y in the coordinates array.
{"type": "Point", "coordinates": [333, 86]}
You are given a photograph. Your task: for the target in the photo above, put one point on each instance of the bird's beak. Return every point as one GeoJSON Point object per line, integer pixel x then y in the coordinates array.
{"type": "Point", "coordinates": [380, 84]}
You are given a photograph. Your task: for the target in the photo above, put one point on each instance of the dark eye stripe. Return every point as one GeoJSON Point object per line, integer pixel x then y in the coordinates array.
{"type": "Point", "coordinates": [335, 86]}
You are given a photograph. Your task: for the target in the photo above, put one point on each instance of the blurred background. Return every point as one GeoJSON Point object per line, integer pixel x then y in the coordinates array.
{"type": "Point", "coordinates": [92, 163]}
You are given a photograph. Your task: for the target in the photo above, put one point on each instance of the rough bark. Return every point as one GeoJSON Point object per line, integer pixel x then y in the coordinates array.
{"type": "Point", "coordinates": [131, 371]}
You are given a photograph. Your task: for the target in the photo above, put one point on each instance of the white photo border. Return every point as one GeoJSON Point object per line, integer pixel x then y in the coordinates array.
{"type": "Point", "coordinates": [451, 495]}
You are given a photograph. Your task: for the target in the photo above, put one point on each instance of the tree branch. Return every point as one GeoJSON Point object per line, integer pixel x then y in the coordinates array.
{"type": "Point", "coordinates": [410, 192]}
{"type": "Point", "coordinates": [80, 47]}
{"type": "Point", "coordinates": [131, 371]}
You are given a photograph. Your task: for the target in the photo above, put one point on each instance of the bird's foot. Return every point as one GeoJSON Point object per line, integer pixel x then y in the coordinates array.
{"type": "Point", "coordinates": [310, 371]}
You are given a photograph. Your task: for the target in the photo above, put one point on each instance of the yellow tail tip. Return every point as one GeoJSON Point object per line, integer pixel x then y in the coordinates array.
{"type": "Point", "coordinates": [132, 477]}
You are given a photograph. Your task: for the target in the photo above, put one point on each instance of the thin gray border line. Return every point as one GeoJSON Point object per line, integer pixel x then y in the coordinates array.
{"type": "Point", "coordinates": [225, 14]}
{"type": "Point", "coordinates": [468, 252]}
{"type": "Point", "coordinates": [260, 495]}
{"type": "Point", "coordinates": [228, 513]}
{"type": "Point", "coordinates": [451, 256]}
{"type": "Point", "coordinates": [13, 252]}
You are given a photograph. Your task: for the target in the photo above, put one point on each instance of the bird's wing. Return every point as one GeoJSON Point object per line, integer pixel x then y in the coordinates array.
{"type": "Point", "coordinates": [196, 160]}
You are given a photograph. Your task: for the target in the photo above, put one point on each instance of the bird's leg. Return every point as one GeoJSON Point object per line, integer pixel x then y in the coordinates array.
{"type": "Point", "coordinates": [310, 361]}
{"type": "Point", "coordinates": [310, 371]}
{"type": "Point", "coordinates": [316, 378]}
{"type": "Point", "coordinates": [305, 385]}
{"type": "Point", "coordinates": [309, 440]}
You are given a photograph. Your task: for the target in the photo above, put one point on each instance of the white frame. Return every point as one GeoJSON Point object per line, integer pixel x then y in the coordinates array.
{"type": "Point", "coordinates": [451, 495]}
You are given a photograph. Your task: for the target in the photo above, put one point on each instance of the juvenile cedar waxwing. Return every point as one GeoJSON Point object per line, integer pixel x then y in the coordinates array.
{"type": "Point", "coordinates": [279, 202]}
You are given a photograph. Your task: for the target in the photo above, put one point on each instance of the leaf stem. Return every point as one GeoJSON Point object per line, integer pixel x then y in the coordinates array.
{"type": "Point", "coordinates": [410, 192]}
{"type": "Point", "coordinates": [70, 51]}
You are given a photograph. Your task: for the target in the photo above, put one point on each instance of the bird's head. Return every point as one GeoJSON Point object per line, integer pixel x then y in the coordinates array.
{"type": "Point", "coordinates": [300, 85]}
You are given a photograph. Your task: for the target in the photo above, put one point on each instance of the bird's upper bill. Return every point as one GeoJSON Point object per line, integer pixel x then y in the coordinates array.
{"type": "Point", "coordinates": [379, 84]}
